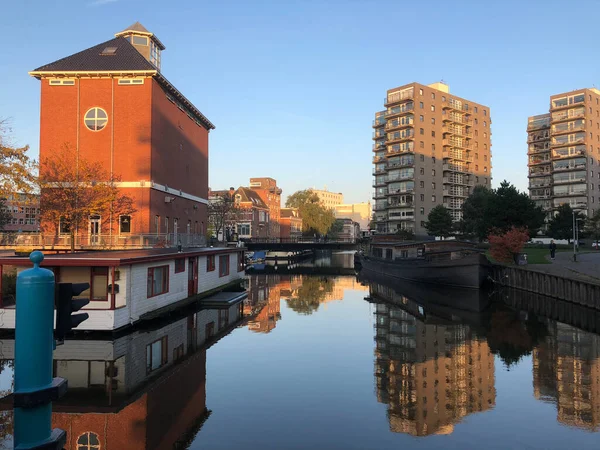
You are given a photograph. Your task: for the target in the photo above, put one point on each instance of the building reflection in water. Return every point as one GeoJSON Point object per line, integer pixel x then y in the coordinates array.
{"type": "Point", "coordinates": [566, 372]}
{"type": "Point", "coordinates": [430, 371]}
{"type": "Point", "coordinates": [144, 390]}
{"type": "Point", "coordinates": [303, 294]}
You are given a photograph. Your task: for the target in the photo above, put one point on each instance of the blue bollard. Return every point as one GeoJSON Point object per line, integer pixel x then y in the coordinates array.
{"type": "Point", "coordinates": [34, 342]}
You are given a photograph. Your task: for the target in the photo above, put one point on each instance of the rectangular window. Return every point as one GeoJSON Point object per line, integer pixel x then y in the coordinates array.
{"type": "Point", "coordinates": [124, 224]}
{"type": "Point", "coordinates": [433, 134]}
{"type": "Point", "coordinates": [433, 185]}
{"type": "Point", "coordinates": [432, 108]}
{"type": "Point", "coordinates": [433, 198]}
{"type": "Point", "coordinates": [421, 105]}
{"type": "Point", "coordinates": [156, 354]}
{"type": "Point", "coordinates": [210, 263]}
{"type": "Point", "coordinates": [140, 40]}
{"type": "Point", "coordinates": [131, 81]}
{"type": "Point", "coordinates": [157, 224]}
{"type": "Point", "coordinates": [421, 144]}
{"type": "Point", "coordinates": [433, 120]}
{"type": "Point", "coordinates": [422, 197]}
{"type": "Point", "coordinates": [180, 265]}
{"type": "Point", "coordinates": [99, 284]}
{"type": "Point", "coordinates": [421, 131]}
{"type": "Point", "coordinates": [421, 184]}
{"type": "Point", "coordinates": [223, 265]}
{"type": "Point", "coordinates": [158, 281]}
{"type": "Point", "coordinates": [62, 82]}
{"type": "Point", "coordinates": [421, 119]}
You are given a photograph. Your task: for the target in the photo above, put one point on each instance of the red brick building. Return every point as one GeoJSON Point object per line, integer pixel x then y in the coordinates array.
{"type": "Point", "coordinates": [271, 195]}
{"type": "Point", "coordinates": [290, 223]}
{"type": "Point", "coordinates": [112, 104]}
{"type": "Point", "coordinates": [25, 211]}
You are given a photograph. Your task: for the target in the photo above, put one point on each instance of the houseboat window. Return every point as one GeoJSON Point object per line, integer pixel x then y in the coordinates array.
{"type": "Point", "coordinates": [209, 330]}
{"type": "Point", "coordinates": [88, 441]}
{"type": "Point", "coordinates": [99, 283]}
{"type": "Point", "coordinates": [64, 226]}
{"type": "Point", "coordinates": [158, 280]}
{"type": "Point", "coordinates": [124, 224]}
{"type": "Point", "coordinates": [404, 254]}
{"type": "Point", "coordinates": [223, 318]}
{"type": "Point", "coordinates": [156, 354]}
{"type": "Point", "coordinates": [388, 253]}
{"type": "Point", "coordinates": [179, 265]}
{"type": "Point", "coordinates": [177, 352]}
{"type": "Point", "coordinates": [210, 263]}
{"type": "Point", "coordinates": [223, 265]}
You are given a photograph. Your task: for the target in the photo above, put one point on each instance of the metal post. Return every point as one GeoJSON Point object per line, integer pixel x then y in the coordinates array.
{"type": "Point", "coordinates": [574, 252]}
{"type": "Point", "coordinates": [34, 342]}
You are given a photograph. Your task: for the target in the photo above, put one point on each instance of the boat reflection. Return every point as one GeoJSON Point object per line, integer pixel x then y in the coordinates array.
{"type": "Point", "coordinates": [144, 390]}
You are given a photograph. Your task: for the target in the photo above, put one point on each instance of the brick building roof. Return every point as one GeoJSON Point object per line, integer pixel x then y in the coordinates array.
{"type": "Point", "coordinates": [249, 196]}
{"type": "Point", "coordinates": [117, 55]}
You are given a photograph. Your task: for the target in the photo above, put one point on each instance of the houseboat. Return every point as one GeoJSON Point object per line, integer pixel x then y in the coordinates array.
{"type": "Point", "coordinates": [130, 286]}
{"type": "Point", "coordinates": [143, 389]}
{"type": "Point", "coordinates": [449, 263]}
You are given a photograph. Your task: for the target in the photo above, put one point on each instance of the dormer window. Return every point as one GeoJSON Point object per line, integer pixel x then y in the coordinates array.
{"type": "Point", "coordinates": [139, 40]}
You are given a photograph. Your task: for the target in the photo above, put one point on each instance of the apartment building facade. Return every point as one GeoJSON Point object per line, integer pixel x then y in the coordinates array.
{"type": "Point", "coordinates": [563, 149]}
{"type": "Point", "coordinates": [358, 212]}
{"type": "Point", "coordinates": [329, 199]}
{"type": "Point", "coordinates": [25, 212]}
{"type": "Point", "coordinates": [291, 223]}
{"type": "Point", "coordinates": [111, 104]}
{"type": "Point", "coordinates": [430, 148]}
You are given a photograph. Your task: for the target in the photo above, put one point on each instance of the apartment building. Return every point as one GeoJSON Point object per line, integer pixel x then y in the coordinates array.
{"type": "Point", "coordinates": [329, 199]}
{"type": "Point", "coordinates": [430, 148]}
{"type": "Point", "coordinates": [25, 212]}
{"type": "Point", "coordinates": [562, 145]}
{"type": "Point", "coordinates": [358, 212]}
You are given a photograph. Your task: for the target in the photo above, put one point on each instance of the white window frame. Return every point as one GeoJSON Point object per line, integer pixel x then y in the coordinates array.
{"type": "Point", "coordinates": [61, 82]}
{"type": "Point", "coordinates": [130, 81]}
{"type": "Point", "coordinates": [96, 120]}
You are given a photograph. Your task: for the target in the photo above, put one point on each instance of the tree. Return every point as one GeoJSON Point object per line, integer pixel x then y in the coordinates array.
{"type": "Point", "coordinates": [72, 189]}
{"type": "Point", "coordinates": [222, 212]}
{"type": "Point", "coordinates": [439, 222]}
{"type": "Point", "coordinates": [500, 209]}
{"type": "Point", "coordinates": [405, 235]}
{"type": "Point", "coordinates": [336, 228]}
{"type": "Point", "coordinates": [316, 219]}
{"type": "Point", "coordinates": [592, 226]}
{"type": "Point", "coordinates": [17, 170]}
{"type": "Point", "coordinates": [561, 225]}
{"type": "Point", "coordinates": [504, 245]}
{"type": "Point", "coordinates": [474, 209]}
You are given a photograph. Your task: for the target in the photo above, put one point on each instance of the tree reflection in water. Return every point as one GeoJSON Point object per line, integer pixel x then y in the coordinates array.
{"type": "Point", "coordinates": [312, 292]}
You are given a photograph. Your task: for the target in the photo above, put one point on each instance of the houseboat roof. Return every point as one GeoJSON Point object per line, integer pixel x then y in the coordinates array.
{"type": "Point", "coordinates": [118, 257]}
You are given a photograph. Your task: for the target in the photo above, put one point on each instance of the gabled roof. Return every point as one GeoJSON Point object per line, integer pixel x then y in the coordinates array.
{"type": "Point", "coordinates": [289, 212]}
{"type": "Point", "coordinates": [249, 196]}
{"type": "Point", "coordinates": [124, 58]}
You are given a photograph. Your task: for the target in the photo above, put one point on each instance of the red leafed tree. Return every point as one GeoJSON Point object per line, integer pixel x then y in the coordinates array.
{"type": "Point", "coordinates": [503, 246]}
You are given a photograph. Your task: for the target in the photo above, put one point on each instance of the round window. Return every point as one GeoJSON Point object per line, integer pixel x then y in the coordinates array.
{"type": "Point", "coordinates": [95, 119]}
{"type": "Point", "coordinates": [88, 441]}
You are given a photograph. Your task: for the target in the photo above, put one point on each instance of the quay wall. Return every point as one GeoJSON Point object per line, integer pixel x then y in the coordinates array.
{"type": "Point", "coordinates": [563, 288]}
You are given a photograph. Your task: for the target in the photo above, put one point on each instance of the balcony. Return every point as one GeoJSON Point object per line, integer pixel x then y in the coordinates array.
{"type": "Point", "coordinates": [578, 140]}
{"type": "Point", "coordinates": [406, 163]}
{"type": "Point", "coordinates": [450, 205]}
{"type": "Point", "coordinates": [540, 197]}
{"type": "Point", "coordinates": [379, 171]}
{"type": "Point", "coordinates": [401, 150]}
{"type": "Point", "coordinates": [379, 133]}
{"type": "Point", "coordinates": [537, 161]}
{"type": "Point", "coordinates": [399, 137]}
{"type": "Point", "coordinates": [396, 124]}
{"type": "Point", "coordinates": [571, 129]}
{"type": "Point", "coordinates": [459, 181]}
{"type": "Point", "coordinates": [574, 113]}
{"type": "Point", "coordinates": [579, 179]}
{"type": "Point", "coordinates": [380, 182]}
{"type": "Point", "coordinates": [580, 166]}
{"type": "Point", "coordinates": [398, 97]}
{"type": "Point", "coordinates": [377, 159]}
{"type": "Point", "coordinates": [538, 150]}
{"type": "Point", "coordinates": [456, 142]}
{"type": "Point", "coordinates": [379, 119]}
{"type": "Point", "coordinates": [540, 183]}
{"type": "Point", "coordinates": [397, 111]}
{"type": "Point", "coordinates": [400, 205]}
{"type": "Point", "coordinates": [536, 137]}
{"type": "Point", "coordinates": [400, 178]}
{"type": "Point", "coordinates": [456, 193]}
{"type": "Point", "coordinates": [377, 207]}
{"type": "Point", "coordinates": [539, 124]}
{"type": "Point", "coordinates": [406, 190]}
{"type": "Point", "coordinates": [380, 195]}
{"type": "Point", "coordinates": [455, 105]}
{"type": "Point", "coordinates": [455, 168]}
{"type": "Point", "coordinates": [538, 173]}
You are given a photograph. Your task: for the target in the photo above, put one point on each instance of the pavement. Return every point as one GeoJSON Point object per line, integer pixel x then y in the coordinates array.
{"type": "Point", "coordinates": [587, 267]}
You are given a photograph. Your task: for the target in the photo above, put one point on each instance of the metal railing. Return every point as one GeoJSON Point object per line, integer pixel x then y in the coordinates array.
{"type": "Point", "coordinates": [101, 241]}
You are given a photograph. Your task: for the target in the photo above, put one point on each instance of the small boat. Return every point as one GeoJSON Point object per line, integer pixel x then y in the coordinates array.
{"type": "Point", "coordinates": [448, 263]}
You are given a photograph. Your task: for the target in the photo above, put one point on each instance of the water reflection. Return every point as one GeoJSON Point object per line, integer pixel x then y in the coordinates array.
{"type": "Point", "coordinates": [434, 364]}
{"type": "Point", "coordinates": [566, 372]}
{"type": "Point", "coordinates": [142, 390]}
{"type": "Point", "coordinates": [430, 371]}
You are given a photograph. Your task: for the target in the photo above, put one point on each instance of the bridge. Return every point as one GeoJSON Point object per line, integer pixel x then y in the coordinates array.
{"type": "Point", "coordinates": [297, 244]}
{"type": "Point", "coordinates": [294, 269]}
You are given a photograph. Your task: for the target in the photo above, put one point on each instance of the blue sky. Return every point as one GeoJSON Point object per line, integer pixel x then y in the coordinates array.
{"type": "Point", "coordinates": [292, 86]}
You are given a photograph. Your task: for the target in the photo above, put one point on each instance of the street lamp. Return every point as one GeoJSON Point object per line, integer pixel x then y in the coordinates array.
{"type": "Point", "coordinates": [575, 236]}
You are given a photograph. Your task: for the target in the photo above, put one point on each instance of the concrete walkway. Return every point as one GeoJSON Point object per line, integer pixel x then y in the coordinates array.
{"type": "Point", "coordinates": [587, 267]}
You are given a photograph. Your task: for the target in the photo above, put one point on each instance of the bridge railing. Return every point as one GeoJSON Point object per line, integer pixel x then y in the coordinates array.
{"type": "Point", "coordinates": [101, 241]}
{"type": "Point", "coordinates": [298, 240]}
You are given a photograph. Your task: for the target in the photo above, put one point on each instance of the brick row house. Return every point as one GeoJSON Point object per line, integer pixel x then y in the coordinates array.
{"type": "Point", "coordinates": [111, 104]}
{"type": "Point", "coordinates": [291, 223]}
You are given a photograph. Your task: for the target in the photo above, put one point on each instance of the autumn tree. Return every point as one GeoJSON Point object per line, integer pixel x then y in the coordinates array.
{"type": "Point", "coordinates": [222, 212]}
{"type": "Point", "coordinates": [316, 219]}
{"type": "Point", "coordinates": [439, 222]}
{"type": "Point", "coordinates": [504, 245]}
{"type": "Point", "coordinates": [73, 188]}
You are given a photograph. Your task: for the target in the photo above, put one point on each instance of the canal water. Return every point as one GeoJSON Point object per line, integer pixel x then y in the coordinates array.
{"type": "Point", "coordinates": [326, 361]}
